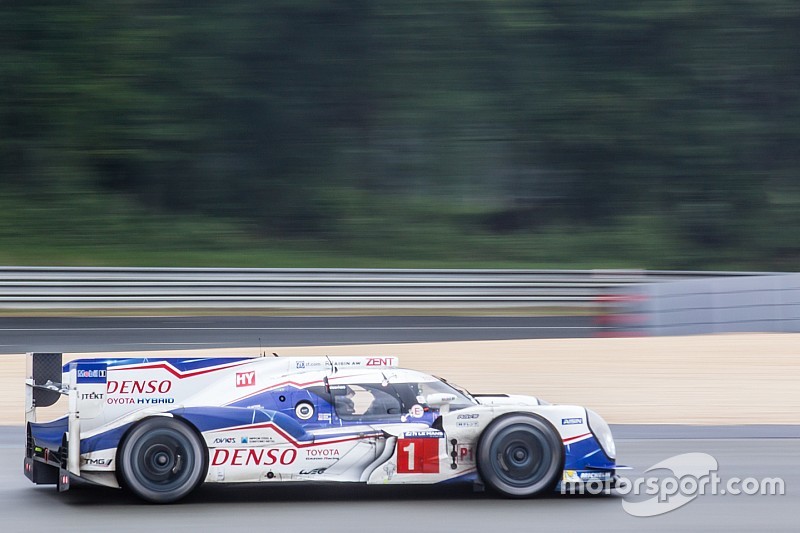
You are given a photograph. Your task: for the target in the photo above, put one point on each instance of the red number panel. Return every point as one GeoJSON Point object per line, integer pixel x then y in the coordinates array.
{"type": "Point", "coordinates": [418, 456]}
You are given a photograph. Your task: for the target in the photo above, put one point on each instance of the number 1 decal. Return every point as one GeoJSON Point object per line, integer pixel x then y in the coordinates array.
{"type": "Point", "coordinates": [418, 456]}
{"type": "Point", "coordinates": [409, 455]}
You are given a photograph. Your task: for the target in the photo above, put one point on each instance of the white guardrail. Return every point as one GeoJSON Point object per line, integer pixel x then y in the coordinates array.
{"type": "Point", "coordinates": [142, 288]}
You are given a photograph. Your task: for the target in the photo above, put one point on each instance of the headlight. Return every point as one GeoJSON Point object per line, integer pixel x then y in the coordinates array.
{"type": "Point", "coordinates": [602, 433]}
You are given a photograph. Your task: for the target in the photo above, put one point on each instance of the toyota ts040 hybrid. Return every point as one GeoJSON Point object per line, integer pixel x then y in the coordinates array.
{"type": "Point", "coordinates": [161, 427]}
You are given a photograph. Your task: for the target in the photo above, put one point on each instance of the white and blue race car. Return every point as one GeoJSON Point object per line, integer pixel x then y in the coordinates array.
{"type": "Point", "coordinates": [161, 427]}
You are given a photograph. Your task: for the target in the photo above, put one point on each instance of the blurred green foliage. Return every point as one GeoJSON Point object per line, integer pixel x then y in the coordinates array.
{"type": "Point", "coordinates": [647, 133]}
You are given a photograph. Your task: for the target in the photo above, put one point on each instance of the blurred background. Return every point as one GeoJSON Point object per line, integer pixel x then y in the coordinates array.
{"type": "Point", "coordinates": [505, 133]}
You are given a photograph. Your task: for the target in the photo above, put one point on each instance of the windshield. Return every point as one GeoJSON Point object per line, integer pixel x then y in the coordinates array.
{"type": "Point", "coordinates": [433, 387]}
{"type": "Point", "coordinates": [460, 389]}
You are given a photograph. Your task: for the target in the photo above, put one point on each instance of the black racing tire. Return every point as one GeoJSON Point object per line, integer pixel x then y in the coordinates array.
{"type": "Point", "coordinates": [520, 456]}
{"type": "Point", "coordinates": [162, 460]}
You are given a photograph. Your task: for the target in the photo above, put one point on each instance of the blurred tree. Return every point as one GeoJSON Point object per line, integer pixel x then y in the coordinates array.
{"type": "Point", "coordinates": [293, 115]}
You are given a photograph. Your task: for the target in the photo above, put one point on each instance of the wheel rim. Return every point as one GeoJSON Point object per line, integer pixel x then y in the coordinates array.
{"type": "Point", "coordinates": [520, 455]}
{"type": "Point", "coordinates": [163, 460]}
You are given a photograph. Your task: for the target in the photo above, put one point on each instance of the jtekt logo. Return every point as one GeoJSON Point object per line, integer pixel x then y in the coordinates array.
{"type": "Point", "coordinates": [246, 379]}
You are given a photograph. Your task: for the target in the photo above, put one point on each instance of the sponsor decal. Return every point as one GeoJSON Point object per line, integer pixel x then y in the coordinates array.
{"type": "Point", "coordinates": [309, 364]}
{"type": "Point", "coordinates": [139, 401]}
{"type": "Point", "coordinates": [346, 363]}
{"type": "Point", "coordinates": [317, 454]}
{"type": "Point", "coordinates": [324, 417]}
{"type": "Point", "coordinates": [120, 401]}
{"type": "Point", "coordinates": [253, 456]}
{"type": "Point", "coordinates": [468, 417]}
{"type": "Point", "coordinates": [91, 373]}
{"type": "Point", "coordinates": [225, 440]}
{"type": "Point", "coordinates": [92, 396]}
{"type": "Point", "coordinates": [595, 475]}
{"type": "Point", "coordinates": [96, 462]}
{"type": "Point", "coordinates": [571, 421]}
{"type": "Point", "coordinates": [258, 440]}
{"type": "Point", "coordinates": [130, 389]}
{"type": "Point", "coordinates": [313, 471]}
{"type": "Point", "coordinates": [467, 424]}
{"type": "Point", "coordinates": [380, 361]}
{"type": "Point", "coordinates": [424, 434]}
{"type": "Point", "coordinates": [151, 401]}
{"type": "Point", "coordinates": [153, 386]}
{"type": "Point", "coordinates": [246, 379]}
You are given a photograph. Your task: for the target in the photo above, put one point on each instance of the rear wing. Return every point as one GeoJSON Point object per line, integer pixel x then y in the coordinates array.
{"type": "Point", "coordinates": [46, 381]}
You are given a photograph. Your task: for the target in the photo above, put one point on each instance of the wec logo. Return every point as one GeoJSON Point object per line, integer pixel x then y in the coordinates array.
{"type": "Point", "coordinates": [246, 379]}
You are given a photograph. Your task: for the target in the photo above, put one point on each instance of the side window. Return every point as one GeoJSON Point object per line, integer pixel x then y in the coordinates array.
{"type": "Point", "coordinates": [358, 401]}
{"type": "Point", "coordinates": [409, 395]}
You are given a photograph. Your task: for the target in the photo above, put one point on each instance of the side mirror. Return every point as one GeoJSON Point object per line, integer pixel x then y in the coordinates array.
{"type": "Point", "coordinates": [440, 400]}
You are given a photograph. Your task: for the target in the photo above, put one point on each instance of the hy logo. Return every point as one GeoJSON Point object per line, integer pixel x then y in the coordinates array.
{"type": "Point", "coordinates": [246, 379]}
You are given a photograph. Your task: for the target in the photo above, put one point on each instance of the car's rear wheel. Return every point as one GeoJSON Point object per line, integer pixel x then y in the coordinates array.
{"type": "Point", "coordinates": [162, 460]}
{"type": "Point", "coordinates": [520, 456]}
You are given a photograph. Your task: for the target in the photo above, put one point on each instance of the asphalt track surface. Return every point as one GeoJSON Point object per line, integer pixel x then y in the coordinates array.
{"type": "Point", "coordinates": [741, 451]}
{"type": "Point", "coordinates": [766, 452]}
{"type": "Point", "coordinates": [20, 335]}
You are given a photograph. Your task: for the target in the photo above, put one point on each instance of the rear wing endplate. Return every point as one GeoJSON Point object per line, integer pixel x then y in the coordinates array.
{"type": "Point", "coordinates": [43, 382]}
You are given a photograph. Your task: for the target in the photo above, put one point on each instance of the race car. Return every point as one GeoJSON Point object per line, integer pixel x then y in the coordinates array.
{"type": "Point", "coordinates": [160, 427]}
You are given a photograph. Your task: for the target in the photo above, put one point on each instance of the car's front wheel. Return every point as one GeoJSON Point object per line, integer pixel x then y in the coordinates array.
{"type": "Point", "coordinates": [162, 460]}
{"type": "Point", "coordinates": [520, 455]}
